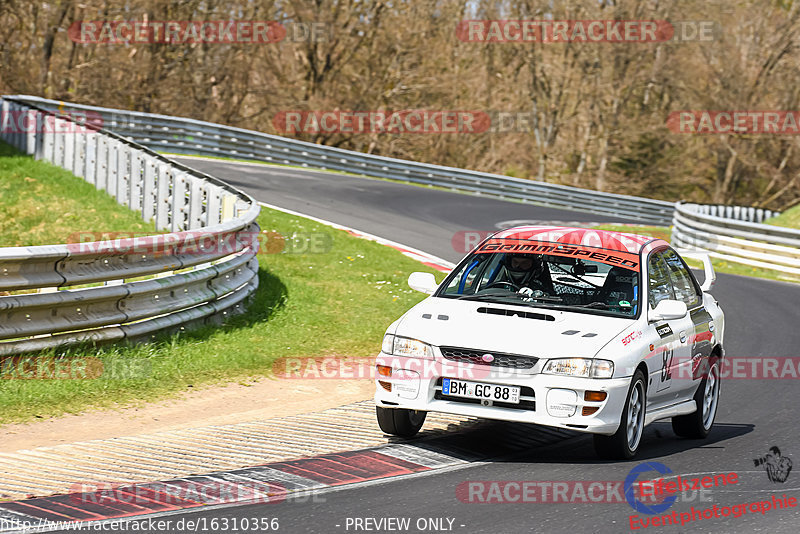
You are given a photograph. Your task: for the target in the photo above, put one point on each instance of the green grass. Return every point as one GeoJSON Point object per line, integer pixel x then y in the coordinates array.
{"type": "Point", "coordinates": [789, 218]}
{"type": "Point", "coordinates": [333, 303]}
{"type": "Point", "coordinates": [720, 266]}
{"type": "Point", "coordinates": [43, 204]}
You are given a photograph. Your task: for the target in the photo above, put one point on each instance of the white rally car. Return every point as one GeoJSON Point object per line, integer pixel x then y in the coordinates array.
{"type": "Point", "coordinates": [594, 331]}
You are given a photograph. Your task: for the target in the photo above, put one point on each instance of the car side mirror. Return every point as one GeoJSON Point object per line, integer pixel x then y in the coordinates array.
{"type": "Point", "coordinates": [667, 310]}
{"type": "Point", "coordinates": [422, 282]}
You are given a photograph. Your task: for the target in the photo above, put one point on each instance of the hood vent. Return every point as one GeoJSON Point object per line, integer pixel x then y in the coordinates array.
{"type": "Point", "coordinates": [516, 313]}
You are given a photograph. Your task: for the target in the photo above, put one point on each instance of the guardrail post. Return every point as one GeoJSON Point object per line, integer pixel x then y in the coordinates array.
{"type": "Point", "coordinates": [69, 147]}
{"type": "Point", "coordinates": [58, 142]}
{"type": "Point", "coordinates": [150, 178]}
{"type": "Point", "coordinates": [213, 204]}
{"type": "Point", "coordinates": [123, 173]}
{"type": "Point", "coordinates": [101, 166]}
{"type": "Point", "coordinates": [90, 159]}
{"type": "Point", "coordinates": [179, 190]}
{"type": "Point", "coordinates": [31, 123]}
{"type": "Point", "coordinates": [79, 167]}
{"type": "Point", "coordinates": [228, 208]}
{"type": "Point", "coordinates": [38, 152]}
{"type": "Point", "coordinates": [196, 198]}
{"type": "Point", "coordinates": [135, 181]}
{"type": "Point", "coordinates": [164, 185]}
{"type": "Point", "coordinates": [4, 119]}
{"type": "Point", "coordinates": [113, 167]}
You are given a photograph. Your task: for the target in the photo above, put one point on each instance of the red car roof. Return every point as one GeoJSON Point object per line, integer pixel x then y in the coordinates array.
{"type": "Point", "coordinates": [587, 237]}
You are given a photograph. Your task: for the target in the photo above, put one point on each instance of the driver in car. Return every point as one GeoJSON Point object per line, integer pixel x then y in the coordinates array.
{"type": "Point", "coordinates": [528, 273]}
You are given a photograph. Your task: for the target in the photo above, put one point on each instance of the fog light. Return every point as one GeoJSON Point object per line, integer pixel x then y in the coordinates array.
{"type": "Point", "coordinates": [562, 402]}
{"type": "Point", "coordinates": [589, 410]}
{"type": "Point", "coordinates": [595, 396]}
{"type": "Point", "coordinates": [385, 385]}
{"type": "Point", "coordinates": [384, 370]}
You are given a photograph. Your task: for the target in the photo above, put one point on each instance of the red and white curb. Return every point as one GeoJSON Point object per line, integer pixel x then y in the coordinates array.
{"type": "Point", "coordinates": [271, 484]}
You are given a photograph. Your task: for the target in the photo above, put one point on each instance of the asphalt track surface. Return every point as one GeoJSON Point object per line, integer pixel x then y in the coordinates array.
{"type": "Point", "coordinates": [762, 321]}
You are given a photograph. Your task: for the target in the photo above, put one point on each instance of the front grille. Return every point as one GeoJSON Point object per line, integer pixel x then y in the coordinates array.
{"type": "Point", "coordinates": [514, 361]}
{"type": "Point", "coordinates": [527, 399]}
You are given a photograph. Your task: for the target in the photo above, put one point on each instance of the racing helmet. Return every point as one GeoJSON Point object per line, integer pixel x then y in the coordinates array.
{"type": "Point", "coordinates": [520, 267]}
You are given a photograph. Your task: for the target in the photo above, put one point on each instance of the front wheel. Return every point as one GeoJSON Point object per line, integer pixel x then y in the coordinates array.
{"type": "Point", "coordinates": [698, 424]}
{"type": "Point", "coordinates": [400, 421]}
{"type": "Point", "coordinates": [624, 443]}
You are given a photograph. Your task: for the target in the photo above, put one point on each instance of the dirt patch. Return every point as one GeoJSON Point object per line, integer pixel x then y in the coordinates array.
{"type": "Point", "coordinates": [217, 405]}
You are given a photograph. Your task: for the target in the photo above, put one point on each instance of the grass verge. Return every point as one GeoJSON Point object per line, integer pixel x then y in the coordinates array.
{"type": "Point", "coordinates": [788, 219]}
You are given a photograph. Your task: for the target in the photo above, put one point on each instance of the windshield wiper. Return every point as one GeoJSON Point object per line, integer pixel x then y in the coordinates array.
{"type": "Point", "coordinates": [595, 305]}
{"type": "Point", "coordinates": [481, 297]}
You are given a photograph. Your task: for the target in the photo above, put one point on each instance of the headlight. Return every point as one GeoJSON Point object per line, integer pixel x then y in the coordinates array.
{"type": "Point", "coordinates": [602, 369]}
{"type": "Point", "coordinates": [412, 348]}
{"type": "Point", "coordinates": [583, 367]}
{"type": "Point", "coordinates": [388, 343]}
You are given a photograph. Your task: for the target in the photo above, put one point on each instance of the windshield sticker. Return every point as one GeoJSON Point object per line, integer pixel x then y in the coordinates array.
{"type": "Point", "coordinates": [625, 260]}
{"type": "Point", "coordinates": [625, 304]}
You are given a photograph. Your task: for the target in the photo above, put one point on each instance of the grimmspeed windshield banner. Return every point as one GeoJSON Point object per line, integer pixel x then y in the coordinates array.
{"type": "Point", "coordinates": [626, 260]}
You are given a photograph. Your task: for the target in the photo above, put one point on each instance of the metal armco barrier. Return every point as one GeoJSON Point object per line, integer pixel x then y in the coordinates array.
{"type": "Point", "coordinates": [192, 137]}
{"type": "Point", "coordinates": [201, 271]}
{"type": "Point", "coordinates": [735, 239]}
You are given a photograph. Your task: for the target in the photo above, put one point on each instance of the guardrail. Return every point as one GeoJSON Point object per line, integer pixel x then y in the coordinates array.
{"type": "Point", "coordinates": [203, 270]}
{"type": "Point", "coordinates": [193, 137]}
{"type": "Point", "coordinates": [739, 241]}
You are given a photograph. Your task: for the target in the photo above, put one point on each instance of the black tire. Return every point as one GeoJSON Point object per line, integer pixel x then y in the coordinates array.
{"type": "Point", "coordinates": [698, 425]}
{"type": "Point", "coordinates": [399, 421]}
{"type": "Point", "coordinates": [620, 446]}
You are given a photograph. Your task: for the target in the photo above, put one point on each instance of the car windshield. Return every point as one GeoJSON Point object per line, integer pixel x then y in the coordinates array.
{"type": "Point", "coordinates": [609, 286]}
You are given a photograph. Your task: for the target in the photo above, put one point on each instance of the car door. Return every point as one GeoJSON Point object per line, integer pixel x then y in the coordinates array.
{"type": "Point", "coordinates": [670, 339]}
{"type": "Point", "coordinates": [701, 329]}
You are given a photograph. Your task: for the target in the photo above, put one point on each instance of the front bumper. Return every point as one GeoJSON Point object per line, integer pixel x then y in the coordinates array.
{"type": "Point", "coordinates": [545, 399]}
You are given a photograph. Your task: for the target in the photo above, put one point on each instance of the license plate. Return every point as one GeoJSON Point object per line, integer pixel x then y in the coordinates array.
{"type": "Point", "coordinates": [479, 390]}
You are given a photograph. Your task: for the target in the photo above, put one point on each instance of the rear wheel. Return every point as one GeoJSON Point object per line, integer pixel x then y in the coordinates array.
{"type": "Point", "coordinates": [697, 425]}
{"type": "Point", "coordinates": [624, 443]}
{"type": "Point", "coordinates": [400, 421]}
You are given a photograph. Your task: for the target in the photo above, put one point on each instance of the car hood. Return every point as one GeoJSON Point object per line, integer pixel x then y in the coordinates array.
{"type": "Point", "coordinates": [479, 325]}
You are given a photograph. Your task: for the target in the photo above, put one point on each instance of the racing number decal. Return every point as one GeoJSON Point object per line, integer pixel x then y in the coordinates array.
{"type": "Point", "coordinates": [666, 364]}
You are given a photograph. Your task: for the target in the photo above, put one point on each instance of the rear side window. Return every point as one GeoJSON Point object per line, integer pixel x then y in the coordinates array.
{"type": "Point", "coordinates": [659, 287]}
{"type": "Point", "coordinates": [685, 289]}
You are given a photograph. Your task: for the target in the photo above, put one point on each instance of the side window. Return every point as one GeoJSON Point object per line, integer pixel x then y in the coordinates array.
{"type": "Point", "coordinates": [685, 289]}
{"type": "Point", "coordinates": [659, 282]}
{"type": "Point", "coordinates": [469, 279]}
